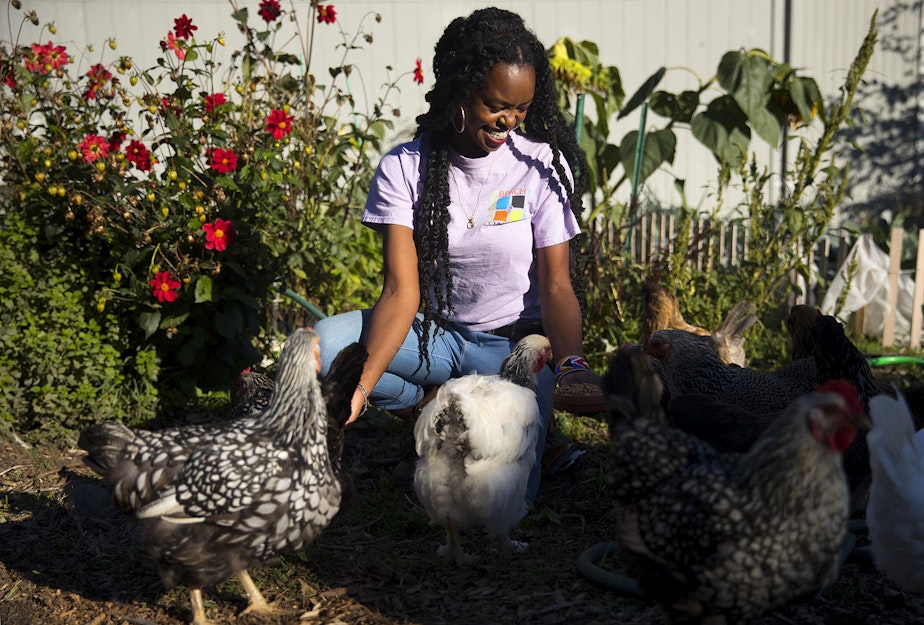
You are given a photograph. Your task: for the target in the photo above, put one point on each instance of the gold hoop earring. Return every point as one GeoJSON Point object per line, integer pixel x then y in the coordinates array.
{"type": "Point", "coordinates": [461, 129]}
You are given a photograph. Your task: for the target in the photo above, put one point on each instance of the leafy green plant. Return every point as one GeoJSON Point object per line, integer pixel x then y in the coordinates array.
{"type": "Point", "coordinates": [756, 96]}
{"type": "Point", "coordinates": [185, 197]}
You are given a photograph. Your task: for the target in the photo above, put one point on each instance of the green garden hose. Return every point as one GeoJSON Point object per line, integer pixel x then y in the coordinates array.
{"type": "Point", "coordinates": [885, 361]}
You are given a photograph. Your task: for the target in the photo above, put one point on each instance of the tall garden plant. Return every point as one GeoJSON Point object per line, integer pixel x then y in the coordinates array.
{"type": "Point", "coordinates": [176, 203]}
{"type": "Point", "coordinates": [750, 96]}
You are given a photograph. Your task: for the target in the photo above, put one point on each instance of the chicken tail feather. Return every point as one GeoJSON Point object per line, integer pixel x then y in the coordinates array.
{"type": "Point", "coordinates": [633, 389]}
{"type": "Point", "coordinates": [104, 443]}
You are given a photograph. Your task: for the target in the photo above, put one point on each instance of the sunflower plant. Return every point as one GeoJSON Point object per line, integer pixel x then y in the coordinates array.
{"type": "Point", "coordinates": [180, 200]}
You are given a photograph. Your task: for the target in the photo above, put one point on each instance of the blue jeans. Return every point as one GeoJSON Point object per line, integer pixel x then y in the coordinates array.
{"type": "Point", "coordinates": [454, 352]}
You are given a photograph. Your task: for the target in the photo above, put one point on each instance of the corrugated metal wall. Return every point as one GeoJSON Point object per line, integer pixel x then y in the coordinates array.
{"type": "Point", "coordinates": [637, 36]}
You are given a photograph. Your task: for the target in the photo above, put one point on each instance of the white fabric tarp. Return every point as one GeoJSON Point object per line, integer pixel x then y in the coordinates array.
{"type": "Point", "coordinates": [870, 288]}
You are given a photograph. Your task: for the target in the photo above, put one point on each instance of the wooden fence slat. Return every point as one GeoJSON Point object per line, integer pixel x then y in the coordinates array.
{"type": "Point", "coordinates": [895, 258]}
{"type": "Point", "coordinates": [918, 299]}
{"type": "Point", "coordinates": [653, 239]}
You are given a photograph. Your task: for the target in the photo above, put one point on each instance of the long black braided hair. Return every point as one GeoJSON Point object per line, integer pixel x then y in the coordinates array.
{"type": "Point", "coordinates": [469, 48]}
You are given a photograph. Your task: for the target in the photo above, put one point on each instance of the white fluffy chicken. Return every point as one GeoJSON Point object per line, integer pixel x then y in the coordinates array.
{"type": "Point", "coordinates": [895, 512]}
{"type": "Point", "coordinates": [476, 443]}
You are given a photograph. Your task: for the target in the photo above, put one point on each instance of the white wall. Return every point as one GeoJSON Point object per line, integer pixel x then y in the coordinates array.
{"type": "Point", "coordinates": [637, 36]}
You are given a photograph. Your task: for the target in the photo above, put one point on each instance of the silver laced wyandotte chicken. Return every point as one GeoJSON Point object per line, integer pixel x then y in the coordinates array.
{"type": "Point", "coordinates": [212, 502]}
{"type": "Point", "coordinates": [476, 443]}
{"type": "Point", "coordinates": [895, 512]}
{"type": "Point", "coordinates": [254, 390]}
{"type": "Point", "coordinates": [725, 537]}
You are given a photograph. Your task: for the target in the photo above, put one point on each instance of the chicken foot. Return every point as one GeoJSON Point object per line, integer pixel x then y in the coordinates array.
{"type": "Point", "coordinates": [198, 607]}
{"type": "Point", "coordinates": [453, 547]}
{"type": "Point", "coordinates": [257, 603]}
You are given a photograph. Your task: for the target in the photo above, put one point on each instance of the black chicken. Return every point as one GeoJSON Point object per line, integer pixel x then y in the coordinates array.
{"type": "Point", "coordinates": [213, 501]}
{"type": "Point", "coordinates": [689, 364]}
{"type": "Point", "coordinates": [733, 426]}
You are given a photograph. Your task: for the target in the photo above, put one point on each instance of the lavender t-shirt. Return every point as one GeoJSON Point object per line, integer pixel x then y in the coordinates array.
{"type": "Point", "coordinates": [516, 202]}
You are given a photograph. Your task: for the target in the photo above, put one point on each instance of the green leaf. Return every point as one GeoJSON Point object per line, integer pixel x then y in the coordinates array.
{"type": "Point", "coordinates": [660, 148]}
{"type": "Point", "coordinates": [678, 108]}
{"type": "Point", "coordinates": [203, 289]}
{"type": "Point", "coordinates": [643, 92]}
{"type": "Point", "coordinates": [729, 71]}
{"type": "Point", "coordinates": [229, 322]}
{"type": "Point", "coordinates": [723, 128]}
{"type": "Point", "coordinates": [149, 322]}
{"type": "Point", "coordinates": [752, 89]}
{"type": "Point", "coordinates": [767, 126]}
{"type": "Point", "coordinates": [806, 96]}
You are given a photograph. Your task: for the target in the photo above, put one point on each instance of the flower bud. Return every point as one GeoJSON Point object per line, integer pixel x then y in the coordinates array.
{"type": "Point", "coordinates": [16, 4]}
{"type": "Point", "coordinates": [151, 196]}
{"type": "Point", "coordinates": [112, 44]}
{"type": "Point", "coordinates": [165, 211]}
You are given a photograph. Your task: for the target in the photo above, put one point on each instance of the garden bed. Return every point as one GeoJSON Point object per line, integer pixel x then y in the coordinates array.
{"type": "Point", "coordinates": [67, 557]}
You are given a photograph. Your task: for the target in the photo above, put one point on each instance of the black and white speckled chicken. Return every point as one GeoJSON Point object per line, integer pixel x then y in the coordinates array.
{"type": "Point", "coordinates": [476, 442]}
{"type": "Point", "coordinates": [212, 502]}
{"type": "Point", "coordinates": [254, 390]}
{"type": "Point", "coordinates": [725, 537]}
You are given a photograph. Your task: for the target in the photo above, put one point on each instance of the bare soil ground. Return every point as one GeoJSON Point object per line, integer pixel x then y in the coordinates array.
{"type": "Point", "coordinates": [67, 557]}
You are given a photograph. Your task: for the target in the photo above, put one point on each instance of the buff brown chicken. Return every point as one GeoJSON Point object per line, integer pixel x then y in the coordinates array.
{"type": "Point", "coordinates": [662, 312]}
{"type": "Point", "coordinates": [726, 537]}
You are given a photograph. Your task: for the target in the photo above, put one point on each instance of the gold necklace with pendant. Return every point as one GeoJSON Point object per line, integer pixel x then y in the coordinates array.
{"type": "Point", "coordinates": [471, 218]}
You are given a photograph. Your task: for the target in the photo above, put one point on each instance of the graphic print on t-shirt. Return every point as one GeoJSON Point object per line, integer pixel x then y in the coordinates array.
{"type": "Point", "coordinates": [507, 207]}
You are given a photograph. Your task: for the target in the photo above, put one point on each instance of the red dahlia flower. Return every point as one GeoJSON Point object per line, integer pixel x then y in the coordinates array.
{"type": "Point", "coordinates": [138, 154]}
{"type": "Point", "coordinates": [269, 10]}
{"type": "Point", "coordinates": [115, 141]}
{"type": "Point", "coordinates": [164, 287]}
{"type": "Point", "coordinates": [93, 147]}
{"type": "Point", "coordinates": [183, 27]}
{"type": "Point", "coordinates": [223, 161]}
{"type": "Point", "coordinates": [418, 72]}
{"type": "Point", "coordinates": [56, 56]}
{"type": "Point", "coordinates": [98, 76]}
{"type": "Point", "coordinates": [171, 44]}
{"type": "Point", "coordinates": [218, 235]}
{"type": "Point", "coordinates": [45, 58]}
{"type": "Point", "coordinates": [213, 101]}
{"type": "Point", "coordinates": [278, 123]}
{"type": "Point", "coordinates": [326, 14]}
